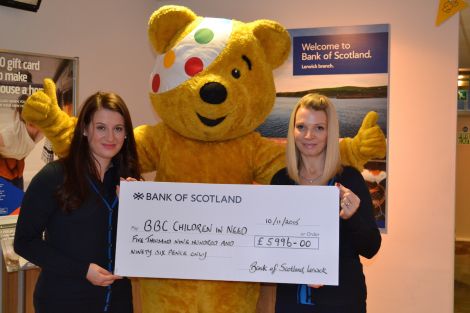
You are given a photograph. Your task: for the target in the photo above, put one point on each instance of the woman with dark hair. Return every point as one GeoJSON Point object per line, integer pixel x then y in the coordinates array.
{"type": "Point", "coordinates": [68, 218]}
{"type": "Point", "coordinates": [313, 158]}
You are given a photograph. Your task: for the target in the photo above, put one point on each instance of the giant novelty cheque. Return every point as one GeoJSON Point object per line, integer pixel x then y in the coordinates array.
{"type": "Point", "coordinates": [228, 232]}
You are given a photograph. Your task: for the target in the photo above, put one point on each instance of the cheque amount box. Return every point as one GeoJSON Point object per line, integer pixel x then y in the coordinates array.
{"type": "Point", "coordinates": [287, 242]}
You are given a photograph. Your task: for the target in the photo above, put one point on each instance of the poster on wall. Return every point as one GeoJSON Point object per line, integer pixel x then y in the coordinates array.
{"type": "Point", "coordinates": [23, 148]}
{"type": "Point", "coordinates": [350, 65]}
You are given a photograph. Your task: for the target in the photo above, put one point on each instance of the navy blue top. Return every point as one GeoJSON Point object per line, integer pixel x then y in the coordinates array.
{"type": "Point", "coordinates": [358, 235]}
{"type": "Point", "coordinates": [71, 242]}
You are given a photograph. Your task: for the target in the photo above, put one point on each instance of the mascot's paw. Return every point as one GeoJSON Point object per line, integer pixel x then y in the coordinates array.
{"type": "Point", "coordinates": [42, 110]}
{"type": "Point", "coordinates": [369, 143]}
{"type": "Point", "coordinates": [39, 107]}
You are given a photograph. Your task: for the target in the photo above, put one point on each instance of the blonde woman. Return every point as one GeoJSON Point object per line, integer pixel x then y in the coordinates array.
{"type": "Point", "coordinates": [313, 158]}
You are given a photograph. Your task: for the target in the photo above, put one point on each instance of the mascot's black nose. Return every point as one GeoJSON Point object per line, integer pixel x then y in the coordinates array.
{"type": "Point", "coordinates": [213, 93]}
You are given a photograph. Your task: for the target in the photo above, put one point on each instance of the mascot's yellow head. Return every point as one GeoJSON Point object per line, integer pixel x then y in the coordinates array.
{"type": "Point", "coordinates": [212, 79]}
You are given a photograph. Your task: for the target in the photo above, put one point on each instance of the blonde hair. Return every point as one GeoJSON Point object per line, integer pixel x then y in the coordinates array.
{"type": "Point", "coordinates": [316, 102]}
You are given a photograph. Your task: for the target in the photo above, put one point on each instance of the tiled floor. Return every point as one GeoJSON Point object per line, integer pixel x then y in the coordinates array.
{"type": "Point", "coordinates": [462, 277]}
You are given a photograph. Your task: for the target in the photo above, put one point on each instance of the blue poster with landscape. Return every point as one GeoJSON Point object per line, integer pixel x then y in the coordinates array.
{"type": "Point", "coordinates": [350, 65]}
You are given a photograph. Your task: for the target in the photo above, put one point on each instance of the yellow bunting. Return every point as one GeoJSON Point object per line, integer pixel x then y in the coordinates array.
{"type": "Point", "coordinates": [447, 8]}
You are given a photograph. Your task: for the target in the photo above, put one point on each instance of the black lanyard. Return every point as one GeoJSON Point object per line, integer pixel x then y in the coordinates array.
{"type": "Point", "coordinates": [110, 208]}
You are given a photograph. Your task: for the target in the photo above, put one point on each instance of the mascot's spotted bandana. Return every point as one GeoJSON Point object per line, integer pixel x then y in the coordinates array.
{"type": "Point", "coordinates": [193, 54]}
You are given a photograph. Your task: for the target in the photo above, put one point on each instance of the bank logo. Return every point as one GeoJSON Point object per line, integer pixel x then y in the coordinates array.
{"type": "Point", "coordinates": [138, 196]}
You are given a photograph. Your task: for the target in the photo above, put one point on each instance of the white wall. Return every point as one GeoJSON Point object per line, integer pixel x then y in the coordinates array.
{"type": "Point", "coordinates": [414, 270]}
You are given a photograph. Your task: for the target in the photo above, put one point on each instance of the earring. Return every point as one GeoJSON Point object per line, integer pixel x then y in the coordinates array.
{"type": "Point", "coordinates": [84, 134]}
{"type": "Point", "coordinates": [125, 137]}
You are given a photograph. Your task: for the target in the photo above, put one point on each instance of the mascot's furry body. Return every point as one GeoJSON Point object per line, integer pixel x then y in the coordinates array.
{"type": "Point", "coordinates": [212, 86]}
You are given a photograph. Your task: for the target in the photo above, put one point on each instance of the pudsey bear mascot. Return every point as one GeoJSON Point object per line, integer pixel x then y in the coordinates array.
{"type": "Point", "coordinates": [212, 86]}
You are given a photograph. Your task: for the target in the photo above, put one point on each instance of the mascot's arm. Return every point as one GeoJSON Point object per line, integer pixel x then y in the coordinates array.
{"type": "Point", "coordinates": [269, 158]}
{"type": "Point", "coordinates": [369, 143]}
{"type": "Point", "coordinates": [146, 138]}
{"type": "Point", "coordinates": [42, 110]}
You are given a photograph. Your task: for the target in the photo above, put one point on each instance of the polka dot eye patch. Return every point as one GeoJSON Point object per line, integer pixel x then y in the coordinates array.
{"type": "Point", "coordinates": [191, 55]}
